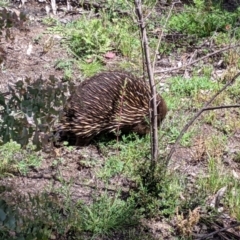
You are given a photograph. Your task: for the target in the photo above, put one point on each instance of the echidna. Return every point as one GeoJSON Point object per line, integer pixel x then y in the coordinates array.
{"type": "Point", "coordinates": [108, 102]}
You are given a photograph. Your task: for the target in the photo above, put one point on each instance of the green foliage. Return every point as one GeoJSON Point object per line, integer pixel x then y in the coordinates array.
{"type": "Point", "coordinates": [89, 69]}
{"type": "Point", "coordinates": [106, 214]}
{"type": "Point", "coordinates": [13, 158]}
{"type": "Point", "coordinates": [31, 109]}
{"type": "Point", "coordinates": [218, 178]}
{"type": "Point", "coordinates": [114, 7]}
{"type": "Point", "coordinates": [51, 218]}
{"type": "Point", "coordinates": [173, 132]}
{"type": "Point", "coordinates": [65, 65]}
{"type": "Point", "coordinates": [197, 89]}
{"type": "Point", "coordinates": [156, 193]}
{"type": "Point", "coordinates": [127, 156]}
{"type": "Point", "coordinates": [189, 87]}
{"type": "Point", "coordinates": [49, 21]}
{"type": "Point", "coordinates": [45, 217]}
{"type": "Point", "coordinates": [91, 38]}
{"type": "Point", "coordinates": [234, 90]}
{"type": "Point", "coordinates": [8, 220]}
{"type": "Point", "coordinates": [112, 167]}
{"type": "Point", "coordinates": [203, 20]}
{"type": "Point", "coordinates": [4, 3]}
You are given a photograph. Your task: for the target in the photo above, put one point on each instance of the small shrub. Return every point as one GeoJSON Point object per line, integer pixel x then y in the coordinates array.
{"type": "Point", "coordinates": [106, 214]}
{"type": "Point", "coordinates": [31, 110]}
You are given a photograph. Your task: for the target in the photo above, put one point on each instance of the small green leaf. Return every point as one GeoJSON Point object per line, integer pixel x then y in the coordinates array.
{"type": "Point", "coordinates": [2, 215]}
{"type": "Point", "coordinates": [2, 100]}
{"type": "Point", "coordinates": [10, 222]}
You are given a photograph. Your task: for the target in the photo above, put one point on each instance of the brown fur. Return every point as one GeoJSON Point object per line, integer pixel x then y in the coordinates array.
{"type": "Point", "coordinates": [108, 102]}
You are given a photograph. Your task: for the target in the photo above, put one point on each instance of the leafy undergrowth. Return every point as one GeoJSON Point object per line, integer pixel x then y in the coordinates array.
{"type": "Point", "coordinates": [110, 189]}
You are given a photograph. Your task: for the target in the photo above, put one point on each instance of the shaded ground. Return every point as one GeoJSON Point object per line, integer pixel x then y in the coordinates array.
{"type": "Point", "coordinates": [31, 52]}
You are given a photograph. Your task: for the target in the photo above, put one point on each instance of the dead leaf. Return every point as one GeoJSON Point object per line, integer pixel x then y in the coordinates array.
{"type": "Point", "coordinates": [110, 55]}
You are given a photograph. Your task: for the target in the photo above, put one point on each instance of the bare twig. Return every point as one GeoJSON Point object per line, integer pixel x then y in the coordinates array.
{"type": "Point", "coordinates": [205, 108]}
{"type": "Point", "coordinates": [206, 236]}
{"type": "Point", "coordinates": [197, 60]}
{"type": "Point", "coordinates": [220, 107]}
{"type": "Point", "coordinates": [153, 110]}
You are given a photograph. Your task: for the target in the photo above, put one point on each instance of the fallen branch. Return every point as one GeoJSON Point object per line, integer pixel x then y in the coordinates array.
{"type": "Point", "coordinates": [206, 236]}
{"type": "Point", "coordinates": [197, 60]}
{"type": "Point", "coordinates": [205, 108]}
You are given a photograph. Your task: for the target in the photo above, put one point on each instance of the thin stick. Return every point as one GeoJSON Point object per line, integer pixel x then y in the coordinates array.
{"type": "Point", "coordinates": [205, 108]}
{"type": "Point", "coordinates": [217, 231]}
{"type": "Point", "coordinates": [197, 60]}
{"type": "Point", "coordinates": [153, 101]}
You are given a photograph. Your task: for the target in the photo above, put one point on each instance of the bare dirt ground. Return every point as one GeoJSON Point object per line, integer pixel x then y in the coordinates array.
{"type": "Point", "coordinates": [24, 54]}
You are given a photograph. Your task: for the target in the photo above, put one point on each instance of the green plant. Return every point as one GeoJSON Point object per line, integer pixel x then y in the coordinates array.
{"type": "Point", "coordinates": [237, 157]}
{"type": "Point", "coordinates": [234, 91]}
{"type": "Point", "coordinates": [13, 158]}
{"type": "Point", "coordinates": [106, 214]}
{"type": "Point", "coordinates": [32, 108]}
{"type": "Point", "coordinates": [112, 166]}
{"type": "Point", "coordinates": [49, 21]}
{"type": "Point", "coordinates": [190, 87]}
{"type": "Point", "coordinates": [158, 193]}
{"type": "Point", "coordinates": [218, 177]}
{"type": "Point", "coordinates": [8, 220]}
{"type": "Point", "coordinates": [64, 64]}
{"type": "Point", "coordinates": [88, 38]}
{"type": "Point", "coordinates": [203, 20]}
{"type": "Point", "coordinates": [198, 89]}
{"type": "Point", "coordinates": [91, 38]}
{"type": "Point", "coordinates": [233, 197]}
{"type": "Point", "coordinates": [215, 145]}
{"type": "Point", "coordinates": [67, 74]}
{"type": "Point", "coordinates": [4, 3]}
{"type": "Point", "coordinates": [124, 159]}
{"type": "Point", "coordinates": [89, 69]}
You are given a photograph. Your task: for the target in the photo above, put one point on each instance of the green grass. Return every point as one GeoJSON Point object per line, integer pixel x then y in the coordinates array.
{"type": "Point", "coordinates": [89, 39]}
{"type": "Point", "coordinates": [153, 193]}
{"type": "Point", "coordinates": [106, 214]}
{"type": "Point", "coordinates": [190, 87]}
{"type": "Point", "coordinates": [47, 215]}
{"type": "Point", "coordinates": [126, 156]}
{"type": "Point", "coordinates": [89, 69]}
{"type": "Point", "coordinates": [218, 177]}
{"type": "Point", "coordinates": [203, 21]}
{"type": "Point", "coordinates": [188, 93]}
{"type": "Point", "coordinates": [156, 193]}
{"type": "Point", "coordinates": [14, 159]}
